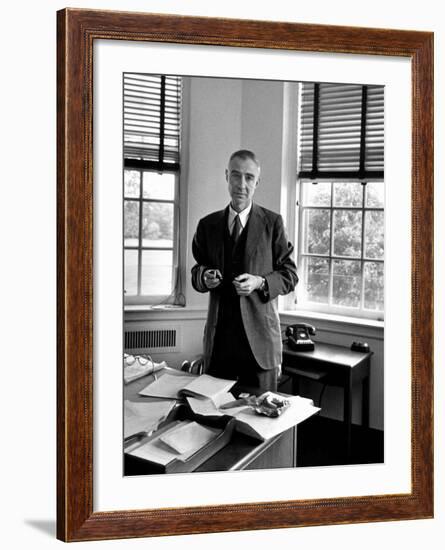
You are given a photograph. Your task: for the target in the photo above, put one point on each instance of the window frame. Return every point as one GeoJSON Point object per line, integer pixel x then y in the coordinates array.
{"type": "Point", "coordinates": [292, 303]}
{"type": "Point", "coordinates": [176, 295]}
{"type": "Point", "coordinates": [154, 299]}
{"type": "Point", "coordinates": [329, 308]}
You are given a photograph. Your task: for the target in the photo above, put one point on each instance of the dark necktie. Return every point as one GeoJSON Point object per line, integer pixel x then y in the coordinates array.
{"type": "Point", "coordinates": [237, 228]}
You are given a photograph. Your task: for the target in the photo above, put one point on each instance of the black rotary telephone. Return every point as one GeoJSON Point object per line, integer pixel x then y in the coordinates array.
{"type": "Point", "coordinates": [298, 337]}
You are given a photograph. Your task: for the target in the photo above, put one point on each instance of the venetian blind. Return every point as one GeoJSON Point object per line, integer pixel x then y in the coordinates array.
{"type": "Point", "coordinates": [152, 121]}
{"type": "Point", "coordinates": [341, 131]}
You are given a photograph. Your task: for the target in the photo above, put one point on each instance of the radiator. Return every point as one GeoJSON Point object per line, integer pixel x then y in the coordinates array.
{"type": "Point", "coordinates": [153, 340]}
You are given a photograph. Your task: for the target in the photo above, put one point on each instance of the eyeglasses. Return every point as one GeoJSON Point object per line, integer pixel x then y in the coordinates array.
{"type": "Point", "coordinates": [141, 359]}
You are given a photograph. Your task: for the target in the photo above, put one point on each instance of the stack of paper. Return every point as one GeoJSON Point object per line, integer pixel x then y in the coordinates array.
{"type": "Point", "coordinates": [179, 442]}
{"type": "Point", "coordinates": [145, 417]}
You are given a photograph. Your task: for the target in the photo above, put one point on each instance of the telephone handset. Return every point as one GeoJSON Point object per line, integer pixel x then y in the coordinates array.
{"type": "Point", "coordinates": [298, 337]}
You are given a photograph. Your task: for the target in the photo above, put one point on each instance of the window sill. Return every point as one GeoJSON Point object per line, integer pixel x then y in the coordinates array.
{"type": "Point", "coordinates": [356, 326]}
{"type": "Point", "coordinates": [139, 312]}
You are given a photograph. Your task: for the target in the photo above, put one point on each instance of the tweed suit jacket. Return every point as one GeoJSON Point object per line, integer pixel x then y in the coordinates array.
{"type": "Point", "coordinates": [267, 254]}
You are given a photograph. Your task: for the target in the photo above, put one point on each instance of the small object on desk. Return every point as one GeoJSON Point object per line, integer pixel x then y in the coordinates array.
{"type": "Point", "coordinates": [268, 404]}
{"type": "Point", "coordinates": [140, 366]}
{"type": "Point", "coordinates": [186, 366]}
{"type": "Point", "coordinates": [271, 404]}
{"type": "Point", "coordinates": [298, 337]}
{"type": "Point", "coordinates": [360, 346]}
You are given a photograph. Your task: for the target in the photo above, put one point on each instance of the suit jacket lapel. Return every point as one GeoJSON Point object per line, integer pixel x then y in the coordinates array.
{"type": "Point", "coordinates": [256, 227]}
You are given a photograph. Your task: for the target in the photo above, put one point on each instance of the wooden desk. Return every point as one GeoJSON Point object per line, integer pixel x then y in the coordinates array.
{"type": "Point", "coordinates": [241, 453]}
{"type": "Point", "coordinates": [336, 366]}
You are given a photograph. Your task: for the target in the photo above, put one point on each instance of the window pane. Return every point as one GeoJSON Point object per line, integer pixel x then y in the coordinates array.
{"type": "Point", "coordinates": [317, 194]}
{"type": "Point", "coordinates": [374, 243]}
{"type": "Point", "coordinates": [157, 270]}
{"type": "Point", "coordinates": [317, 231]}
{"type": "Point", "coordinates": [131, 223]}
{"type": "Point", "coordinates": [317, 280]}
{"type": "Point", "coordinates": [348, 193]}
{"type": "Point", "coordinates": [157, 224]}
{"type": "Point", "coordinates": [374, 286]}
{"type": "Point", "coordinates": [347, 233]}
{"type": "Point", "coordinates": [346, 283]}
{"type": "Point", "coordinates": [375, 194]}
{"type": "Point", "coordinates": [131, 272]}
{"type": "Point", "coordinates": [159, 186]}
{"type": "Point", "coordinates": [131, 183]}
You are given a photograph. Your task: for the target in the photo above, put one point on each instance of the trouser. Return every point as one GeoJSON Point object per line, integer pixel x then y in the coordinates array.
{"type": "Point", "coordinates": [232, 357]}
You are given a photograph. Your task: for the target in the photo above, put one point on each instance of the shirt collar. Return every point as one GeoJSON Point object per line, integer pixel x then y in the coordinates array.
{"type": "Point", "coordinates": [243, 215]}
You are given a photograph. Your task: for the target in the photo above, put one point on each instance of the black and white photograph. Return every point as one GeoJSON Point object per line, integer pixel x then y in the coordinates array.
{"type": "Point", "coordinates": [253, 257]}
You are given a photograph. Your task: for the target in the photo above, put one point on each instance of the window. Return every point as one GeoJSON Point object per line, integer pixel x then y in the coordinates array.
{"type": "Point", "coordinates": [152, 124]}
{"type": "Point", "coordinates": [341, 199]}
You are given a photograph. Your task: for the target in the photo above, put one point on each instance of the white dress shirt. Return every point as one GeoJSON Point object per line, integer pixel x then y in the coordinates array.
{"type": "Point", "coordinates": [243, 216]}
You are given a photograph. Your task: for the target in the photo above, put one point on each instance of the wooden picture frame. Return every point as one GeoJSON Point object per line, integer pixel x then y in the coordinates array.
{"type": "Point", "coordinates": [77, 31]}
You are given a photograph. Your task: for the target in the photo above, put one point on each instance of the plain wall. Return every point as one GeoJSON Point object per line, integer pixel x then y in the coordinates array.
{"type": "Point", "coordinates": [262, 132]}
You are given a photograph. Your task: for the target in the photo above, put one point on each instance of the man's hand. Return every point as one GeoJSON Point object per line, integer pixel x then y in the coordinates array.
{"type": "Point", "coordinates": [212, 278]}
{"type": "Point", "coordinates": [246, 283]}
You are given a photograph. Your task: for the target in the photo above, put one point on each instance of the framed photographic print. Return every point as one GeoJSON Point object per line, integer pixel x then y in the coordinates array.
{"type": "Point", "coordinates": [314, 298]}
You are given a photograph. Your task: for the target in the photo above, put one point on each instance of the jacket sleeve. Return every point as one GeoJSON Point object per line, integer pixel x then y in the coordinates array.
{"type": "Point", "coordinates": [199, 249]}
{"type": "Point", "coordinates": [283, 278]}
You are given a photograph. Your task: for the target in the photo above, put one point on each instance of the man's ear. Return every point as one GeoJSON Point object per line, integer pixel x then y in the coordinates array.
{"type": "Point", "coordinates": [227, 175]}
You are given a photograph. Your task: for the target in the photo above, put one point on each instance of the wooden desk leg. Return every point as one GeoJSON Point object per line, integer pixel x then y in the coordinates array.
{"type": "Point", "coordinates": [347, 415]}
{"type": "Point", "coordinates": [365, 402]}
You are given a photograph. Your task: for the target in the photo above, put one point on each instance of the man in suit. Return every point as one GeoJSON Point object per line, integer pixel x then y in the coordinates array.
{"type": "Point", "coordinates": [243, 259]}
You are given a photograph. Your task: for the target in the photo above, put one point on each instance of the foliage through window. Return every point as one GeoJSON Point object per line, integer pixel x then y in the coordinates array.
{"type": "Point", "coordinates": [342, 245]}
{"type": "Point", "coordinates": [152, 123]}
{"type": "Point", "coordinates": [341, 198]}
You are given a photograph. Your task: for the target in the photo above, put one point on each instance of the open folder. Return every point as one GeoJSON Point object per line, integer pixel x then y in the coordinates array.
{"type": "Point", "coordinates": [173, 384]}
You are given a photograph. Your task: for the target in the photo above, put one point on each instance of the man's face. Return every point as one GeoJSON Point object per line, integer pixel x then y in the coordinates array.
{"type": "Point", "coordinates": [243, 176]}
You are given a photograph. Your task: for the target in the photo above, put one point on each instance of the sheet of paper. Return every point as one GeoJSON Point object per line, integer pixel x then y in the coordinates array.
{"type": "Point", "coordinates": [188, 437]}
{"type": "Point", "coordinates": [207, 407]}
{"type": "Point", "coordinates": [265, 427]}
{"type": "Point", "coordinates": [209, 386]}
{"type": "Point", "coordinates": [145, 417]}
{"type": "Point", "coordinates": [168, 385]}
